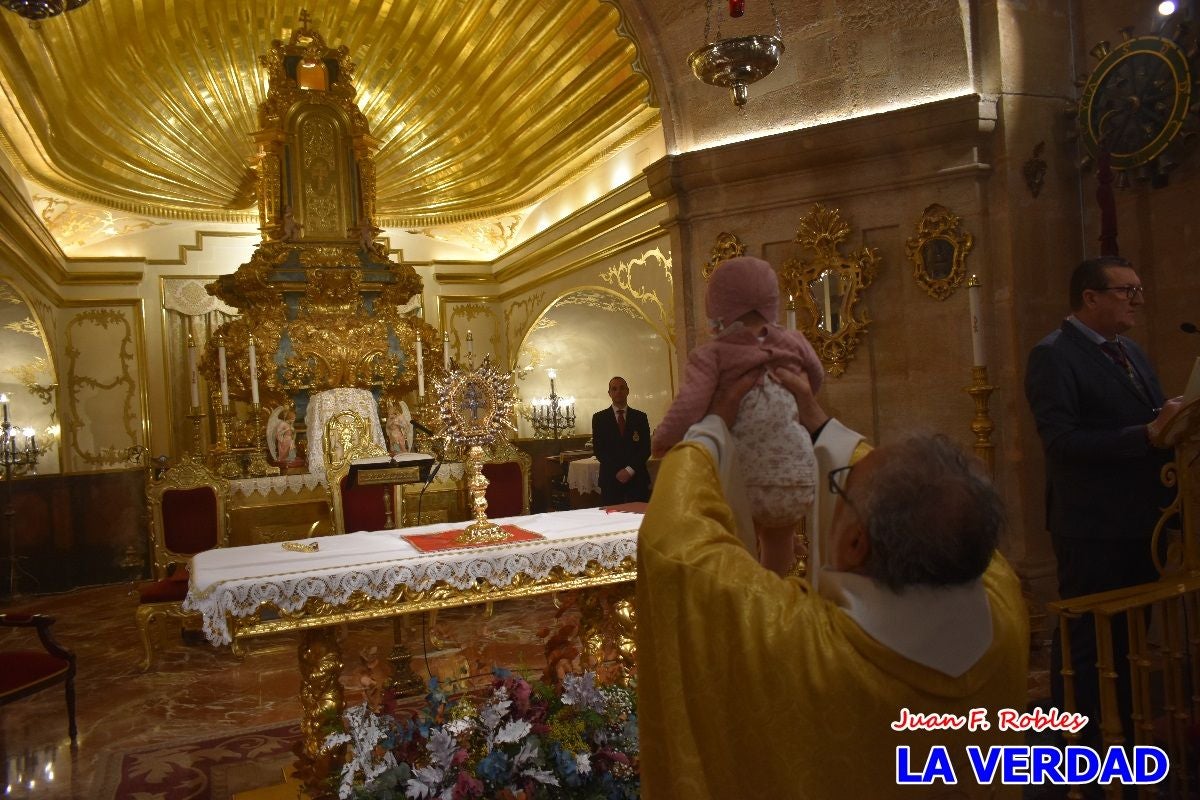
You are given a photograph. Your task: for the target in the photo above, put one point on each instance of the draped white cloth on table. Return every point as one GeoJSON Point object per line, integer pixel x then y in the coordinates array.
{"type": "Point", "coordinates": [237, 581]}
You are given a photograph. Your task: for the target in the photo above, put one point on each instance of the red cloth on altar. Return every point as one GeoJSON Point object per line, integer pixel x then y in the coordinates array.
{"type": "Point", "coordinates": [433, 542]}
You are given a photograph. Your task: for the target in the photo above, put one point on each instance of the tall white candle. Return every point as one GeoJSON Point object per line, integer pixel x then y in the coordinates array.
{"type": "Point", "coordinates": [828, 315]}
{"type": "Point", "coordinates": [193, 374]}
{"type": "Point", "coordinates": [973, 289]}
{"type": "Point", "coordinates": [253, 373]}
{"type": "Point", "coordinates": [224, 374]}
{"type": "Point", "coordinates": [791, 314]}
{"type": "Point", "coordinates": [420, 368]}
{"type": "Point", "coordinates": [470, 343]}
{"type": "Point", "coordinates": [4, 402]}
{"type": "Point", "coordinates": [446, 349]}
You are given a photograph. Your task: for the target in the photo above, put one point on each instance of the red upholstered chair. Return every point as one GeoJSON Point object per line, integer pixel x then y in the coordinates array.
{"type": "Point", "coordinates": [347, 437]}
{"type": "Point", "coordinates": [26, 672]}
{"type": "Point", "coordinates": [187, 517]}
{"type": "Point", "coordinates": [507, 471]}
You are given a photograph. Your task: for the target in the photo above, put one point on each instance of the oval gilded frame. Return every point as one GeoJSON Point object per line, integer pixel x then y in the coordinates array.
{"type": "Point", "coordinates": [939, 252]}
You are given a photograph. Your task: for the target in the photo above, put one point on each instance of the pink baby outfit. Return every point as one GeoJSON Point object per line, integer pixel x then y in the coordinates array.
{"type": "Point", "coordinates": [774, 451]}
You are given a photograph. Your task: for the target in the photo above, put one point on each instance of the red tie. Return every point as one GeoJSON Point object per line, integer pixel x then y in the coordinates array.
{"type": "Point", "coordinates": [621, 421]}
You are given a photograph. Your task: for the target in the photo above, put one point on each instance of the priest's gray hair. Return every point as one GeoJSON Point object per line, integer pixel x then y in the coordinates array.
{"type": "Point", "coordinates": [933, 518]}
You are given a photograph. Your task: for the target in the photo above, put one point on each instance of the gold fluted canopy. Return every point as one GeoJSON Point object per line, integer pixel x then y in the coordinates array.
{"type": "Point", "coordinates": [481, 108]}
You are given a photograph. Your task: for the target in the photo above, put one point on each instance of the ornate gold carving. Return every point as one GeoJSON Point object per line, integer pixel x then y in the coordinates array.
{"type": "Point", "coordinates": [621, 276]}
{"type": "Point", "coordinates": [601, 301]}
{"type": "Point", "coordinates": [828, 287]}
{"type": "Point", "coordinates": [321, 700]}
{"type": "Point", "coordinates": [728, 246]}
{"type": "Point", "coordinates": [939, 252]}
{"type": "Point", "coordinates": [124, 356]}
{"type": "Point", "coordinates": [26, 325]}
{"type": "Point", "coordinates": [347, 436]}
{"type": "Point", "coordinates": [528, 308]}
{"type": "Point", "coordinates": [9, 295]}
{"type": "Point", "coordinates": [490, 237]}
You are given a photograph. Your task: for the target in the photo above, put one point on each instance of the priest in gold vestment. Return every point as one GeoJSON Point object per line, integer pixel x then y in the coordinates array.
{"type": "Point", "coordinates": [756, 686]}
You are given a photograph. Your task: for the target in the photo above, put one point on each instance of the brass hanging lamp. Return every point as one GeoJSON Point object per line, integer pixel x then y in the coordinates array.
{"type": "Point", "coordinates": [739, 61]}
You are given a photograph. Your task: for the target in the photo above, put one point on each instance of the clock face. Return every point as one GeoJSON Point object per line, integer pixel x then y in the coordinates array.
{"type": "Point", "coordinates": [1135, 101]}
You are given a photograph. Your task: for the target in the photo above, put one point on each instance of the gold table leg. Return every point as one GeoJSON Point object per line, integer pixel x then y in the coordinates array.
{"type": "Point", "coordinates": [403, 678]}
{"type": "Point", "coordinates": [321, 702]}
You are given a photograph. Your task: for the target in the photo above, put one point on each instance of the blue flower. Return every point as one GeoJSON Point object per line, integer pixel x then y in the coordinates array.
{"type": "Point", "coordinates": [494, 768]}
{"type": "Point", "coordinates": [566, 766]}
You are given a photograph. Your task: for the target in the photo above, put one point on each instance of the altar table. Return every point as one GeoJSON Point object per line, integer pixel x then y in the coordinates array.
{"type": "Point", "coordinates": [583, 475]}
{"type": "Point", "coordinates": [264, 588]}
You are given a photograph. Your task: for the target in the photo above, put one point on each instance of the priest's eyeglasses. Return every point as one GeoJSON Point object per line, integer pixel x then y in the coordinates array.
{"type": "Point", "coordinates": [837, 483]}
{"type": "Point", "coordinates": [1129, 290]}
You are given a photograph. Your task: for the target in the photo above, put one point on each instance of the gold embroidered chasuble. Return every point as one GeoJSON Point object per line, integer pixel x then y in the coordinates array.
{"type": "Point", "coordinates": [754, 686]}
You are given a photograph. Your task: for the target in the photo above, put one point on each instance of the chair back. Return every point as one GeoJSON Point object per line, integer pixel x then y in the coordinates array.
{"type": "Point", "coordinates": [348, 437]}
{"type": "Point", "coordinates": [188, 515]}
{"type": "Point", "coordinates": [324, 406]}
{"type": "Point", "coordinates": [507, 470]}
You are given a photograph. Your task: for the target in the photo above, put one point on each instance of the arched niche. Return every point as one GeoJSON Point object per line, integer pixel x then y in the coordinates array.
{"type": "Point", "coordinates": [27, 374]}
{"type": "Point", "coordinates": [587, 336]}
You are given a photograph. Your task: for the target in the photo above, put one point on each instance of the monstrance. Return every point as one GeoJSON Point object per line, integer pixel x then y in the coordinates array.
{"type": "Point", "coordinates": [475, 405]}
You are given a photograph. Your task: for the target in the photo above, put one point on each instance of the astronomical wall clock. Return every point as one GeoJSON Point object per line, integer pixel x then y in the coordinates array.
{"type": "Point", "coordinates": [1136, 103]}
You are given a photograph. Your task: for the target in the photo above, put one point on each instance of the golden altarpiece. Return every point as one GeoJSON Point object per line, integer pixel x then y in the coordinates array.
{"type": "Point", "coordinates": [320, 304]}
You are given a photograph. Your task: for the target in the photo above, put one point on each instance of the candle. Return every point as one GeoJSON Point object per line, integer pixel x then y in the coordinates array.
{"type": "Point", "coordinates": [973, 289]}
{"type": "Point", "coordinates": [446, 349]}
{"type": "Point", "coordinates": [193, 375]}
{"type": "Point", "coordinates": [224, 373]}
{"type": "Point", "coordinates": [791, 313]}
{"type": "Point", "coordinates": [4, 402]}
{"type": "Point", "coordinates": [470, 343]}
{"type": "Point", "coordinates": [420, 369]}
{"type": "Point", "coordinates": [253, 373]}
{"type": "Point", "coordinates": [827, 317]}
{"type": "Point", "coordinates": [30, 442]}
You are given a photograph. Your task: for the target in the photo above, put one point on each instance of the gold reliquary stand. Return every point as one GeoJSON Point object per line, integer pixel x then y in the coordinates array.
{"type": "Point", "coordinates": [475, 405]}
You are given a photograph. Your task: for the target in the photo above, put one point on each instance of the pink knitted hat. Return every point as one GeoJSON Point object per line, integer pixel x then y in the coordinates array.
{"type": "Point", "coordinates": [739, 285]}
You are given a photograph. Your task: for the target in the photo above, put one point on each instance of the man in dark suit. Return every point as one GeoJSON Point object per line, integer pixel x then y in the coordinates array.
{"type": "Point", "coordinates": [1098, 404]}
{"type": "Point", "coordinates": [621, 441]}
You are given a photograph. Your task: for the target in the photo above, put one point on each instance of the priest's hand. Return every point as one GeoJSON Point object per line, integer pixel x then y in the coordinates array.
{"type": "Point", "coordinates": [812, 416]}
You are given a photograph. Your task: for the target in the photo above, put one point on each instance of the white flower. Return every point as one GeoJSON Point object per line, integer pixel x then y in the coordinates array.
{"type": "Point", "coordinates": [581, 691]}
{"type": "Point", "coordinates": [529, 751]}
{"type": "Point", "coordinates": [424, 783]}
{"type": "Point", "coordinates": [541, 776]}
{"type": "Point", "coordinates": [513, 732]}
{"type": "Point", "coordinates": [460, 726]}
{"type": "Point", "coordinates": [583, 763]}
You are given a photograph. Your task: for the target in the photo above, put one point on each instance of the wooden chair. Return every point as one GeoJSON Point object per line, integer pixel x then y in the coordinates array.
{"type": "Point", "coordinates": [347, 437]}
{"type": "Point", "coordinates": [187, 516]}
{"type": "Point", "coordinates": [26, 672]}
{"type": "Point", "coordinates": [507, 470]}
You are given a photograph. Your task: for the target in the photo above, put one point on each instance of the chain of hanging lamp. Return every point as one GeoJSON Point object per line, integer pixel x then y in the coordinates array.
{"type": "Point", "coordinates": [41, 9]}
{"type": "Point", "coordinates": [737, 8]}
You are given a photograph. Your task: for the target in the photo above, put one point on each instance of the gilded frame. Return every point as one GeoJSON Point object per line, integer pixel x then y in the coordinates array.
{"type": "Point", "coordinates": [354, 434]}
{"type": "Point", "coordinates": [820, 234]}
{"type": "Point", "coordinates": [939, 251]}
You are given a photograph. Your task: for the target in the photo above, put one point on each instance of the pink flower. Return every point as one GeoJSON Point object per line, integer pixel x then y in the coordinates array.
{"type": "Point", "coordinates": [467, 786]}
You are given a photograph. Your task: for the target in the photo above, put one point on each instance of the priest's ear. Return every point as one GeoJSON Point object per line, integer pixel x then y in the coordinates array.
{"type": "Point", "coordinates": [851, 547]}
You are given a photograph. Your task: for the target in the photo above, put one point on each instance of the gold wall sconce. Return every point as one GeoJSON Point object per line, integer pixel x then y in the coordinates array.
{"type": "Point", "coordinates": [828, 286]}
{"type": "Point", "coordinates": [939, 252]}
{"type": "Point", "coordinates": [727, 246]}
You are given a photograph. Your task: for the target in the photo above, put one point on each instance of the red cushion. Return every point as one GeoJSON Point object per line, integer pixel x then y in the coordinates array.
{"type": "Point", "coordinates": [363, 507]}
{"type": "Point", "coordinates": [168, 590]}
{"type": "Point", "coordinates": [190, 522]}
{"type": "Point", "coordinates": [22, 668]}
{"type": "Point", "coordinates": [505, 487]}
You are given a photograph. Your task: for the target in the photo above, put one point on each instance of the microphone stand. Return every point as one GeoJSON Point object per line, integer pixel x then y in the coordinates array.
{"type": "Point", "coordinates": [441, 458]}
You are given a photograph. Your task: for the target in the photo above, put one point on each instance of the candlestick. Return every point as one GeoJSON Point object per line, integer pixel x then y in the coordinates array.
{"type": "Point", "coordinates": [420, 369]}
{"type": "Point", "coordinates": [193, 375]}
{"type": "Point", "coordinates": [253, 374]}
{"type": "Point", "coordinates": [446, 349]}
{"type": "Point", "coordinates": [224, 373]}
{"type": "Point", "coordinates": [973, 289]}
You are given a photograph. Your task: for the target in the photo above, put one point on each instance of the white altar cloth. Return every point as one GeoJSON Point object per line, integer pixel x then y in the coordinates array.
{"type": "Point", "coordinates": [237, 581]}
{"type": "Point", "coordinates": [583, 475]}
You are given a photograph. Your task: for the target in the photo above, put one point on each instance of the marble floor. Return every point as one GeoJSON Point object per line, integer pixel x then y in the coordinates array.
{"type": "Point", "coordinates": [196, 690]}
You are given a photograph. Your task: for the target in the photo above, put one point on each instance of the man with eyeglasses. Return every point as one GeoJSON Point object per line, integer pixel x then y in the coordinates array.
{"type": "Point", "coordinates": [756, 685]}
{"type": "Point", "coordinates": [1098, 406]}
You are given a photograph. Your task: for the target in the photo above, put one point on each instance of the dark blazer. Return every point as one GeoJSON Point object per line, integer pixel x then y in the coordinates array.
{"type": "Point", "coordinates": [1102, 475]}
{"type": "Point", "coordinates": [615, 452]}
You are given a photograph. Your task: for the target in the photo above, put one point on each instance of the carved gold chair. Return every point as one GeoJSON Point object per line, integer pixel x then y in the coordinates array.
{"type": "Point", "coordinates": [347, 437]}
{"type": "Point", "coordinates": [26, 672]}
{"type": "Point", "coordinates": [507, 470]}
{"type": "Point", "coordinates": [188, 516]}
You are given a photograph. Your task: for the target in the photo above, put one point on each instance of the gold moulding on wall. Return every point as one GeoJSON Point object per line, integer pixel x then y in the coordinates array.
{"type": "Point", "coordinates": [727, 246]}
{"type": "Point", "coordinates": [939, 252]}
{"type": "Point", "coordinates": [828, 286]}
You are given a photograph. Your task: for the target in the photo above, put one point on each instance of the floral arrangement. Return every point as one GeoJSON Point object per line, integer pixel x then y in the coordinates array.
{"type": "Point", "coordinates": [523, 741]}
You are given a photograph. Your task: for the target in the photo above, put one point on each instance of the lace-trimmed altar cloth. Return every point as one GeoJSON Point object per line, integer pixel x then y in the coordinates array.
{"type": "Point", "coordinates": [277, 484]}
{"type": "Point", "coordinates": [237, 581]}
